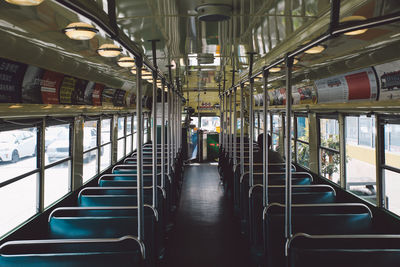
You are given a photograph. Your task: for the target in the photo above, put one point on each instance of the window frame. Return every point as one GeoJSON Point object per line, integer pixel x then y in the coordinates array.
{"type": "Point", "coordinates": [320, 147]}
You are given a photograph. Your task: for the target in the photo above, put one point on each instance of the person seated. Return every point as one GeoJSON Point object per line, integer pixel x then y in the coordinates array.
{"type": "Point", "coordinates": [273, 156]}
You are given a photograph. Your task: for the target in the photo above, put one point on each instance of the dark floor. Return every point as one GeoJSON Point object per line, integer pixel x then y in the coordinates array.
{"type": "Point", "coordinates": [206, 234]}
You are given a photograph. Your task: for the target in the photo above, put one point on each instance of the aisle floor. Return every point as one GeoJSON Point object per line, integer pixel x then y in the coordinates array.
{"type": "Point", "coordinates": [206, 233]}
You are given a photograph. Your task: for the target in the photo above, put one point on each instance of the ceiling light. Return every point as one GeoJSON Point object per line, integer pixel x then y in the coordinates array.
{"type": "Point", "coordinates": [80, 31]}
{"type": "Point", "coordinates": [295, 61]}
{"type": "Point", "coordinates": [315, 49]}
{"type": "Point", "coordinates": [133, 71]}
{"type": "Point", "coordinates": [354, 18]}
{"type": "Point", "coordinates": [126, 62]}
{"type": "Point", "coordinates": [109, 50]}
{"type": "Point", "coordinates": [275, 69]}
{"type": "Point", "coordinates": [146, 72]}
{"type": "Point", "coordinates": [25, 2]}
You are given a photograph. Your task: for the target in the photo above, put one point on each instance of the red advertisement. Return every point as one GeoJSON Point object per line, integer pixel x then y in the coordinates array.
{"type": "Point", "coordinates": [359, 86]}
{"type": "Point", "coordinates": [50, 86]}
{"type": "Point", "coordinates": [97, 92]}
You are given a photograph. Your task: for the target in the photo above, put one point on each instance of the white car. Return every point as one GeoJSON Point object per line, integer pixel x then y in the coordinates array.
{"type": "Point", "coordinates": [17, 144]}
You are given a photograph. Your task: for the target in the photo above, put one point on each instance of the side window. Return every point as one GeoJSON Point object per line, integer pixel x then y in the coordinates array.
{"type": "Point", "coordinates": [302, 141]}
{"type": "Point", "coordinates": [90, 151]}
{"type": "Point", "coordinates": [105, 148]}
{"type": "Point", "coordinates": [360, 156]}
{"type": "Point", "coordinates": [329, 149]}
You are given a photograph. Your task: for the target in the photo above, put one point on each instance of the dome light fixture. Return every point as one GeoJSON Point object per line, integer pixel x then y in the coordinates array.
{"type": "Point", "coordinates": [354, 18]}
{"type": "Point", "coordinates": [109, 50]}
{"type": "Point", "coordinates": [80, 31]}
{"type": "Point", "coordinates": [275, 69]}
{"type": "Point", "coordinates": [133, 71]}
{"type": "Point", "coordinates": [315, 49]}
{"type": "Point", "coordinates": [295, 61]}
{"type": "Point", "coordinates": [25, 2]}
{"type": "Point", "coordinates": [126, 62]}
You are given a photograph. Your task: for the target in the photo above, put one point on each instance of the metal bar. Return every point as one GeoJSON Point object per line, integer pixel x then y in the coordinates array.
{"type": "Point", "coordinates": [230, 126]}
{"type": "Point", "coordinates": [251, 134]}
{"type": "Point", "coordinates": [234, 127]}
{"type": "Point", "coordinates": [163, 134]}
{"type": "Point", "coordinates": [169, 129]}
{"type": "Point", "coordinates": [335, 13]}
{"type": "Point", "coordinates": [380, 161]}
{"type": "Point", "coordinates": [241, 128]}
{"type": "Point", "coordinates": [220, 116]}
{"type": "Point", "coordinates": [154, 128]}
{"type": "Point", "coordinates": [139, 147]}
{"type": "Point", "coordinates": [265, 141]}
{"type": "Point", "coordinates": [288, 156]}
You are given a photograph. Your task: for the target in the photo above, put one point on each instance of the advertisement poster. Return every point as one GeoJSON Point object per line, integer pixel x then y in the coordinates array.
{"type": "Point", "coordinates": [88, 98]}
{"type": "Point", "coordinates": [352, 86]}
{"type": "Point", "coordinates": [389, 80]}
{"type": "Point", "coordinates": [119, 98]}
{"type": "Point", "coordinates": [11, 76]}
{"type": "Point", "coordinates": [107, 97]}
{"type": "Point", "coordinates": [66, 90]}
{"type": "Point", "coordinates": [50, 86]}
{"type": "Point", "coordinates": [31, 85]}
{"type": "Point", "coordinates": [97, 93]}
{"type": "Point", "coordinates": [301, 94]}
{"type": "Point", "coordinates": [78, 95]}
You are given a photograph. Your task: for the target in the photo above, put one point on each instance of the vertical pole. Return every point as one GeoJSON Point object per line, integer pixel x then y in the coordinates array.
{"type": "Point", "coordinates": [139, 163]}
{"type": "Point", "coordinates": [222, 145]}
{"type": "Point", "coordinates": [220, 115]}
{"type": "Point", "coordinates": [265, 140]}
{"type": "Point", "coordinates": [163, 134]}
{"type": "Point", "coordinates": [169, 161]}
{"type": "Point", "coordinates": [230, 126]}
{"type": "Point", "coordinates": [154, 128]}
{"type": "Point", "coordinates": [241, 128]}
{"type": "Point", "coordinates": [380, 160]}
{"type": "Point", "coordinates": [251, 134]}
{"type": "Point", "coordinates": [234, 128]}
{"type": "Point", "coordinates": [288, 191]}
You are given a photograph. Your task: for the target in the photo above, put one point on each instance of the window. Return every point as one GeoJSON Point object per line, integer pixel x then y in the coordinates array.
{"type": "Point", "coordinates": [360, 156]}
{"type": "Point", "coordinates": [57, 172]}
{"type": "Point", "coordinates": [329, 149]}
{"type": "Point", "coordinates": [391, 172]}
{"type": "Point", "coordinates": [210, 123]}
{"type": "Point", "coordinates": [128, 135]}
{"type": "Point", "coordinates": [302, 141]}
{"type": "Point", "coordinates": [18, 160]}
{"type": "Point", "coordinates": [121, 138]}
{"type": "Point", "coordinates": [276, 129]}
{"type": "Point", "coordinates": [134, 132]}
{"type": "Point", "coordinates": [105, 149]}
{"type": "Point", "coordinates": [145, 130]}
{"type": "Point", "coordinates": [90, 151]}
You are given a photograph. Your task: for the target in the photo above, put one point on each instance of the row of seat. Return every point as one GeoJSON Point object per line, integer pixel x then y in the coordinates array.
{"type": "Point", "coordinates": [327, 231]}
{"type": "Point", "coordinates": [102, 230]}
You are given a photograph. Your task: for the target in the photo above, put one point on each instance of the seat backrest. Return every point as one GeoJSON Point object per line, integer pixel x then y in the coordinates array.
{"type": "Point", "coordinates": [124, 251]}
{"type": "Point", "coordinates": [337, 218]}
{"type": "Point", "coordinates": [344, 250]}
{"type": "Point", "coordinates": [109, 178]}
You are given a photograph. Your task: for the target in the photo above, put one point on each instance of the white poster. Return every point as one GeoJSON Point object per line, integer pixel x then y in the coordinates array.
{"type": "Point", "coordinates": [352, 86]}
{"type": "Point", "coordinates": [389, 80]}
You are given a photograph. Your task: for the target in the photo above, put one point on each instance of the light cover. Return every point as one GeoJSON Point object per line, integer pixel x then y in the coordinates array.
{"type": "Point", "coordinates": [354, 18]}
{"type": "Point", "coordinates": [25, 2]}
{"type": "Point", "coordinates": [315, 50]}
{"type": "Point", "coordinates": [109, 50]}
{"type": "Point", "coordinates": [126, 62]}
{"type": "Point", "coordinates": [80, 31]}
{"type": "Point", "coordinates": [275, 69]}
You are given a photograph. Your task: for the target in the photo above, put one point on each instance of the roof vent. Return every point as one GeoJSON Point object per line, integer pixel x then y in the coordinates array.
{"type": "Point", "coordinates": [214, 12]}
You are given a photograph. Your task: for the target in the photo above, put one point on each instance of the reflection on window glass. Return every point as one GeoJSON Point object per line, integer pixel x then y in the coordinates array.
{"type": "Point", "coordinates": [194, 121]}
{"type": "Point", "coordinates": [105, 158]}
{"type": "Point", "coordinates": [89, 135]}
{"type": "Point", "coordinates": [17, 152]}
{"type": "Point", "coordinates": [330, 165]}
{"type": "Point", "coordinates": [56, 182]}
{"type": "Point", "coordinates": [89, 165]}
{"type": "Point", "coordinates": [17, 203]}
{"type": "Point", "coordinates": [57, 143]}
{"type": "Point", "coordinates": [121, 151]}
{"type": "Point", "coordinates": [360, 158]}
{"type": "Point", "coordinates": [210, 123]}
{"type": "Point", "coordinates": [128, 144]}
{"type": "Point", "coordinates": [134, 141]}
{"type": "Point", "coordinates": [134, 123]}
{"type": "Point", "coordinates": [302, 129]}
{"type": "Point", "coordinates": [129, 125]}
{"type": "Point", "coordinates": [392, 188]}
{"type": "Point", "coordinates": [121, 127]}
{"type": "Point", "coordinates": [303, 154]}
{"type": "Point", "coordinates": [276, 128]}
{"type": "Point", "coordinates": [329, 132]}
{"type": "Point", "coordinates": [105, 131]}
{"type": "Point", "coordinates": [392, 145]}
